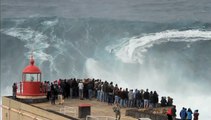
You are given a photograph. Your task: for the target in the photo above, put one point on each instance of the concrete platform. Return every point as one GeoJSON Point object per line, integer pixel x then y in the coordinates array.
{"type": "Point", "coordinates": [97, 108]}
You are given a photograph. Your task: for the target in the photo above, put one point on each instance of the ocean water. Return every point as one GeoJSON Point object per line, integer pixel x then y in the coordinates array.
{"type": "Point", "coordinates": [161, 45]}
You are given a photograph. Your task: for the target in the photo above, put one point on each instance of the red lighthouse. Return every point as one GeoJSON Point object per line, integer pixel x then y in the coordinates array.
{"type": "Point", "coordinates": [31, 87]}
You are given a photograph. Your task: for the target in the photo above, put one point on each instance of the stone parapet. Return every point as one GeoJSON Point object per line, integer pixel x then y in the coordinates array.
{"type": "Point", "coordinates": [16, 110]}
{"type": "Point", "coordinates": [135, 113]}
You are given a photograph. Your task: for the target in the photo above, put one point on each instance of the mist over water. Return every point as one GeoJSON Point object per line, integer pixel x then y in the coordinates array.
{"type": "Point", "coordinates": [137, 48]}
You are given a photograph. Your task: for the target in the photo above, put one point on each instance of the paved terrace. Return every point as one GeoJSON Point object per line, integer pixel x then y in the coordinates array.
{"type": "Point", "coordinates": [97, 108]}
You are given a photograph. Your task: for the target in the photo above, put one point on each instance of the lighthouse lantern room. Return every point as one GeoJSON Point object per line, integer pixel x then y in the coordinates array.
{"type": "Point", "coordinates": [31, 87]}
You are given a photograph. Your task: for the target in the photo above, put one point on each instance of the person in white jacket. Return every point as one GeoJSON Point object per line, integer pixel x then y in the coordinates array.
{"type": "Point", "coordinates": [131, 97]}
{"type": "Point", "coordinates": [81, 87]}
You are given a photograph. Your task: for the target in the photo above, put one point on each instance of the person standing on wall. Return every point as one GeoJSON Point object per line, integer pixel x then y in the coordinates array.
{"type": "Point", "coordinates": [173, 110]}
{"type": "Point", "coordinates": [189, 114]}
{"type": "Point", "coordinates": [169, 114]}
{"type": "Point", "coordinates": [183, 114]}
{"type": "Point", "coordinates": [196, 115]}
{"type": "Point", "coordinates": [14, 90]}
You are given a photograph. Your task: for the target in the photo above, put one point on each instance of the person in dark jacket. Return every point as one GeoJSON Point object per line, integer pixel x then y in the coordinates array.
{"type": "Point", "coordinates": [90, 89]}
{"type": "Point", "coordinates": [163, 102]}
{"type": "Point", "coordinates": [53, 94]}
{"type": "Point", "coordinates": [138, 99]}
{"type": "Point", "coordinates": [110, 93]}
{"type": "Point", "coordinates": [183, 114]}
{"type": "Point", "coordinates": [155, 99]}
{"type": "Point", "coordinates": [146, 99]}
{"type": "Point", "coordinates": [173, 110]}
{"type": "Point", "coordinates": [14, 90]}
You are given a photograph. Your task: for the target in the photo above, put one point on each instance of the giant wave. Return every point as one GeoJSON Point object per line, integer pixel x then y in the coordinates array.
{"type": "Point", "coordinates": [126, 50]}
{"type": "Point", "coordinates": [172, 58]}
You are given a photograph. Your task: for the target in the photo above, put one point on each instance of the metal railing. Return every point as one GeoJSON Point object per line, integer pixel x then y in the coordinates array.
{"type": "Point", "coordinates": [19, 87]}
{"type": "Point", "coordinates": [68, 110]}
{"type": "Point", "coordinates": [100, 118]}
{"type": "Point", "coordinates": [43, 88]}
{"type": "Point", "coordinates": [144, 119]}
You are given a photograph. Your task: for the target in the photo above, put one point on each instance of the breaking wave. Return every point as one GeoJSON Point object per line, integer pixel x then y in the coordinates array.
{"type": "Point", "coordinates": [131, 50]}
{"type": "Point", "coordinates": [38, 42]}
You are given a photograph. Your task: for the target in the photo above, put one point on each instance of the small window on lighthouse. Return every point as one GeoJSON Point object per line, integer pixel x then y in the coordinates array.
{"type": "Point", "coordinates": [32, 77]}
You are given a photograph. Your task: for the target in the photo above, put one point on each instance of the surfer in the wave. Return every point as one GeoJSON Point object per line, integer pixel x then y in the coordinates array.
{"type": "Point", "coordinates": [112, 50]}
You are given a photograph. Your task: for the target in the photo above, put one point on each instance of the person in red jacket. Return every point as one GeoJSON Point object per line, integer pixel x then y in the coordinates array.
{"type": "Point", "coordinates": [196, 115]}
{"type": "Point", "coordinates": [169, 114]}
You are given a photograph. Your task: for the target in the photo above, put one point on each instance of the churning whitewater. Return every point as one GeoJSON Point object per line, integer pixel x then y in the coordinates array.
{"type": "Point", "coordinates": [130, 49]}
{"type": "Point", "coordinates": [164, 46]}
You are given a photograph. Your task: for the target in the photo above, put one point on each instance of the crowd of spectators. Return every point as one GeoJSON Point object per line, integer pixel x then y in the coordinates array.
{"type": "Point", "coordinates": [104, 91]}
{"type": "Point", "coordinates": [187, 114]}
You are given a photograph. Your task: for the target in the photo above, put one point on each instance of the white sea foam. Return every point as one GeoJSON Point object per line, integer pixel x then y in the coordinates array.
{"type": "Point", "coordinates": [38, 42]}
{"type": "Point", "coordinates": [34, 40]}
{"type": "Point", "coordinates": [131, 50]}
{"type": "Point", "coordinates": [50, 23]}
